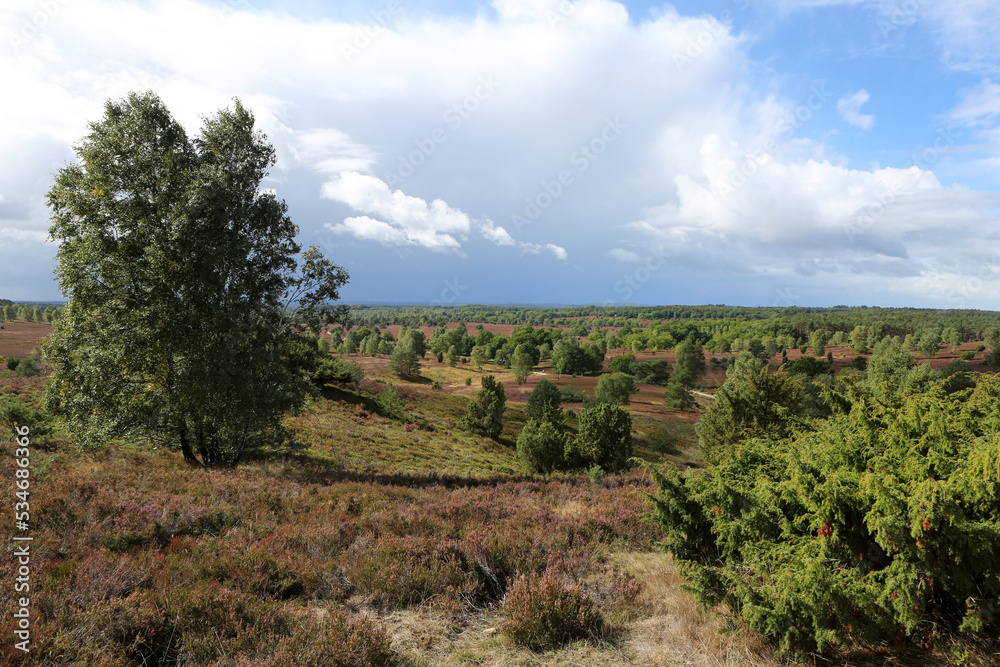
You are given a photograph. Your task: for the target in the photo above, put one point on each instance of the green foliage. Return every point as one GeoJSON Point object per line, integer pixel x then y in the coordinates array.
{"type": "Point", "coordinates": [930, 341]}
{"type": "Point", "coordinates": [653, 372]}
{"type": "Point", "coordinates": [993, 358]}
{"type": "Point", "coordinates": [522, 363]}
{"type": "Point", "coordinates": [678, 396]}
{"type": "Point", "coordinates": [390, 402]}
{"type": "Point", "coordinates": [808, 366]}
{"type": "Point", "coordinates": [543, 612]}
{"type": "Point", "coordinates": [968, 355]}
{"type": "Point", "coordinates": [882, 524]}
{"type": "Point", "coordinates": [571, 358]}
{"type": "Point", "coordinates": [181, 278]}
{"type": "Point", "coordinates": [479, 357]}
{"type": "Point", "coordinates": [624, 363]}
{"type": "Point", "coordinates": [689, 366]}
{"type": "Point", "coordinates": [485, 413]}
{"type": "Point", "coordinates": [404, 359]}
{"type": "Point", "coordinates": [16, 411]}
{"type": "Point", "coordinates": [569, 395]}
{"type": "Point", "coordinates": [540, 447]}
{"type": "Point", "coordinates": [750, 404]}
{"type": "Point", "coordinates": [891, 370]}
{"type": "Point", "coordinates": [615, 388]}
{"type": "Point", "coordinates": [543, 403]}
{"type": "Point", "coordinates": [604, 438]}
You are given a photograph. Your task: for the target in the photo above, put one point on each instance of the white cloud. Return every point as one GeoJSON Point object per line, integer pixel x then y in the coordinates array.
{"type": "Point", "coordinates": [979, 106]}
{"type": "Point", "coordinates": [500, 236]}
{"type": "Point", "coordinates": [850, 110]}
{"type": "Point", "coordinates": [409, 219]}
{"type": "Point", "coordinates": [494, 234]}
{"type": "Point", "coordinates": [623, 255]}
{"type": "Point", "coordinates": [757, 214]}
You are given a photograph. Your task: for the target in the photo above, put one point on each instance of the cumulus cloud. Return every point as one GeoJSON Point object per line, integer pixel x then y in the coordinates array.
{"type": "Point", "coordinates": [756, 214]}
{"type": "Point", "coordinates": [500, 236]}
{"type": "Point", "coordinates": [406, 219]}
{"type": "Point", "coordinates": [850, 110]}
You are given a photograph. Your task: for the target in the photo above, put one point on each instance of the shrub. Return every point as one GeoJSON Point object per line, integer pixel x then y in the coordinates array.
{"type": "Point", "coordinates": [569, 395]}
{"type": "Point", "coordinates": [678, 396]}
{"type": "Point", "coordinates": [808, 366]}
{"type": "Point", "coordinates": [542, 612]}
{"type": "Point", "coordinates": [540, 447]}
{"type": "Point", "coordinates": [968, 355]}
{"type": "Point", "coordinates": [751, 403]}
{"type": "Point", "coordinates": [604, 438]}
{"type": "Point", "coordinates": [543, 403]}
{"type": "Point", "coordinates": [390, 403]}
{"type": "Point", "coordinates": [881, 524]}
{"type": "Point", "coordinates": [336, 640]}
{"type": "Point", "coordinates": [485, 413]}
{"type": "Point", "coordinates": [624, 363]}
{"type": "Point", "coordinates": [615, 388]}
{"type": "Point", "coordinates": [12, 363]}
{"type": "Point", "coordinates": [397, 571]}
{"type": "Point", "coordinates": [468, 382]}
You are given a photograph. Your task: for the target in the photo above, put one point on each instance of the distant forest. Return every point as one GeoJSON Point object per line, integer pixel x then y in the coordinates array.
{"type": "Point", "coordinates": [704, 322]}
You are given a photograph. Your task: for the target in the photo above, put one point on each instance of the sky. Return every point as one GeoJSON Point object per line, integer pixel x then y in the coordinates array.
{"type": "Point", "coordinates": [742, 152]}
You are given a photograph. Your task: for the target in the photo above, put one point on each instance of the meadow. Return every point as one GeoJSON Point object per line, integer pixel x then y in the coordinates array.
{"type": "Point", "coordinates": [381, 536]}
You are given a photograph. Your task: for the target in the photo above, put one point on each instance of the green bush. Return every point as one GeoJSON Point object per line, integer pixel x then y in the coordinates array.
{"type": "Point", "coordinates": [540, 447]}
{"type": "Point", "coordinates": [543, 403]}
{"type": "Point", "coordinates": [390, 403]}
{"type": "Point", "coordinates": [883, 523]}
{"type": "Point", "coordinates": [542, 612]}
{"type": "Point", "coordinates": [569, 395]}
{"type": "Point", "coordinates": [604, 438]}
{"type": "Point", "coordinates": [968, 355]}
{"type": "Point", "coordinates": [615, 388]}
{"type": "Point", "coordinates": [485, 413]}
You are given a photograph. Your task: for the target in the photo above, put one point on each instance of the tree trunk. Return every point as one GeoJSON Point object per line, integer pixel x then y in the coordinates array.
{"type": "Point", "coordinates": [189, 456]}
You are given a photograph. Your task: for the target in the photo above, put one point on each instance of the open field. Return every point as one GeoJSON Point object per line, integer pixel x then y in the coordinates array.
{"type": "Point", "coordinates": [18, 339]}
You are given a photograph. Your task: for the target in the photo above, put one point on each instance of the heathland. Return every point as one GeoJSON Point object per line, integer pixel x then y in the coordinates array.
{"type": "Point", "coordinates": [796, 486]}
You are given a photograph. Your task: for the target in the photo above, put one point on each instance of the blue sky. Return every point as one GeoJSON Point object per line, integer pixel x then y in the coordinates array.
{"type": "Point", "coordinates": [750, 152]}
